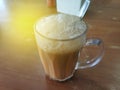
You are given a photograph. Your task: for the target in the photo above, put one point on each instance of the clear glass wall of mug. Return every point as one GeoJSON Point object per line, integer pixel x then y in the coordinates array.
{"type": "Point", "coordinates": [60, 39]}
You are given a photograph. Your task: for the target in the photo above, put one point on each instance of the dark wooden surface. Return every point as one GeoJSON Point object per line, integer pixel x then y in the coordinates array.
{"type": "Point", "coordinates": [20, 66]}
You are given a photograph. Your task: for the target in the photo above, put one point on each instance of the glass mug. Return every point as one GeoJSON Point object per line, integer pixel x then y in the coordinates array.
{"type": "Point", "coordinates": [59, 53]}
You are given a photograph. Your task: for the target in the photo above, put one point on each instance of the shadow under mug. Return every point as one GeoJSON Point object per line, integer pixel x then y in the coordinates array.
{"type": "Point", "coordinates": [62, 58]}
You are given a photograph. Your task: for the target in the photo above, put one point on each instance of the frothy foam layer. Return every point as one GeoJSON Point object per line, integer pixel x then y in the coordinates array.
{"type": "Point", "coordinates": [60, 27]}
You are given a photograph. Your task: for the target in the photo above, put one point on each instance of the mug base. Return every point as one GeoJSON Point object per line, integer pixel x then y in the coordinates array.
{"type": "Point", "coordinates": [61, 80]}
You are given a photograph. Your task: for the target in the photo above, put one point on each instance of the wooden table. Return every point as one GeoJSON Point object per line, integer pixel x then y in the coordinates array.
{"type": "Point", "coordinates": [20, 66]}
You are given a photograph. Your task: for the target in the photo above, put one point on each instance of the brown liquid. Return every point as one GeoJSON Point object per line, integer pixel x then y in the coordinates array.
{"type": "Point", "coordinates": [58, 66]}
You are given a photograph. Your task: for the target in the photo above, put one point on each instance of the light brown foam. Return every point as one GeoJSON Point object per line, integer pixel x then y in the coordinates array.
{"type": "Point", "coordinates": [60, 26]}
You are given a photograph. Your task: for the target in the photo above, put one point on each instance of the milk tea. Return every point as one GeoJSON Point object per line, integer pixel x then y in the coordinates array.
{"type": "Point", "coordinates": [59, 38]}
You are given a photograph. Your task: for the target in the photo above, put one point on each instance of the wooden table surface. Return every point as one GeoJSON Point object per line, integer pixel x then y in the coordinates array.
{"type": "Point", "coordinates": [20, 66]}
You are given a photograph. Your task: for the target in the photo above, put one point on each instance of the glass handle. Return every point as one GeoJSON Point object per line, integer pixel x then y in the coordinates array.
{"type": "Point", "coordinates": [91, 54]}
{"type": "Point", "coordinates": [84, 8]}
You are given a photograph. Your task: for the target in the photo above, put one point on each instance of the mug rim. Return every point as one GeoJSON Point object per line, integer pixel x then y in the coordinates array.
{"type": "Point", "coordinates": [35, 29]}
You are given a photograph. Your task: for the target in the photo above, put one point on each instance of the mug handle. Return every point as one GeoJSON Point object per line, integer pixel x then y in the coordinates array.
{"type": "Point", "coordinates": [85, 60]}
{"type": "Point", "coordinates": [84, 8]}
